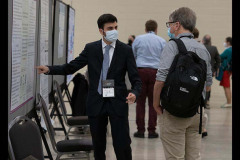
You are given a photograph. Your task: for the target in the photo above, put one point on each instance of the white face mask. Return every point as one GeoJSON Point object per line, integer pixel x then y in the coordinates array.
{"type": "Point", "coordinates": [225, 45]}
{"type": "Point", "coordinates": [111, 36]}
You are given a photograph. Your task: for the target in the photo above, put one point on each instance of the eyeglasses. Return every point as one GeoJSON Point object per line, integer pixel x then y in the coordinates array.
{"type": "Point", "coordinates": [168, 24]}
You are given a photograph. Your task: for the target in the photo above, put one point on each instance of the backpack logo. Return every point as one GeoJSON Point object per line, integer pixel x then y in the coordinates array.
{"type": "Point", "coordinates": [194, 78]}
{"type": "Point", "coordinates": [184, 90]}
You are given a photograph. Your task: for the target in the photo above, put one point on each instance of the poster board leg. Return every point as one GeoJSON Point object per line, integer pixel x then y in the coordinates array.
{"type": "Point", "coordinates": [43, 136]}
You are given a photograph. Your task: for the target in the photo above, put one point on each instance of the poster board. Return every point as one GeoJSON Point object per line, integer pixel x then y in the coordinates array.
{"type": "Point", "coordinates": [44, 82]}
{"type": "Point", "coordinates": [70, 38]}
{"type": "Point", "coordinates": [24, 21]}
{"type": "Point", "coordinates": [60, 38]}
{"type": "Point", "coordinates": [22, 56]}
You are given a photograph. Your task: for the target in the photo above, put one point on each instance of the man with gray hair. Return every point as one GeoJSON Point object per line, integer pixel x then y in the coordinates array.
{"type": "Point", "coordinates": [180, 136]}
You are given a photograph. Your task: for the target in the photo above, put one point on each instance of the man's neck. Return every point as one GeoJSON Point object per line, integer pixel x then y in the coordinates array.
{"type": "Point", "coordinates": [155, 32]}
{"type": "Point", "coordinates": [182, 31]}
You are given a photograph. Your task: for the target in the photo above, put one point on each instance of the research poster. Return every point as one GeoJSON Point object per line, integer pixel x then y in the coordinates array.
{"type": "Point", "coordinates": [44, 33]}
{"type": "Point", "coordinates": [23, 52]}
{"type": "Point", "coordinates": [61, 30]}
{"type": "Point", "coordinates": [71, 26]}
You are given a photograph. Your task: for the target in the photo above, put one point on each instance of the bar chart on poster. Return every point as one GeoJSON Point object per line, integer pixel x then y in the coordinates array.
{"type": "Point", "coordinates": [23, 52]}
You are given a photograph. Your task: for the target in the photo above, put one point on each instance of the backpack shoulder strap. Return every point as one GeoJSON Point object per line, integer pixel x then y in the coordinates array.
{"type": "Point", "coordinates": [180, 44]}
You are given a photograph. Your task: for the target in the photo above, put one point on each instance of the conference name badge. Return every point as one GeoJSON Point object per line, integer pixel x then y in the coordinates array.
{"type": "Point", "coordinates": [108, 88]}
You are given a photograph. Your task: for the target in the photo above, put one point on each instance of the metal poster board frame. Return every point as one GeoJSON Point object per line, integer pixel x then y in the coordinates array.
{"type": "Point", "coordinates": [70, 39]}
{"type": "Point", "coordinates": [59, 38]}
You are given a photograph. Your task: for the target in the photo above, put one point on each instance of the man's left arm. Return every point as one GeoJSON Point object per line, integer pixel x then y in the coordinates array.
{"type": "Point", "coordinates": [133, 75]}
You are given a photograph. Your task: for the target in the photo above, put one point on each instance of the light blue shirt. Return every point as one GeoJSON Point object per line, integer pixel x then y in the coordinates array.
{"type": "Point", "coordinates": [147, 49]}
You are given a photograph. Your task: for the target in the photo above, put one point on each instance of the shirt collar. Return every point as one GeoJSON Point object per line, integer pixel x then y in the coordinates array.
{"type": "Point", "coordinates": [113, 44]}
{"type": "Point", "coordinates": [185, 34]}
{"type": "Point", "coordinates": [151, 32]}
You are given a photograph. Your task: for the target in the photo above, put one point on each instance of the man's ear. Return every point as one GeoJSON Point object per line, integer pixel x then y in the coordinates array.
{"type": "Point", "coordinates": [101, 31]}
{"type": "Point", "coordinates": [178, 26]}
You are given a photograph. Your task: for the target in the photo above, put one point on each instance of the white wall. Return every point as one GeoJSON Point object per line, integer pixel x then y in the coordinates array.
{"type": "Point", "coordinates": [214, 17]}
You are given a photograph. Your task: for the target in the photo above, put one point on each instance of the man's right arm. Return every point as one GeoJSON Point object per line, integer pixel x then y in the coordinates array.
{"type": "Point", "coordinates": [166, 60]}
{"type": "Point", "coordinates": [68, 68]}
{"type": "Point", "coordinates": [156, 96]}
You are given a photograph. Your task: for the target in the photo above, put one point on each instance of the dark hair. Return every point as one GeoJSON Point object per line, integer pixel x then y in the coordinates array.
{"type": "Point", "coordinates": [151, 25]}
{"type": "Point", "coordinates": [105, 18]}
{"type": "Point", "coordinates": [195, 33]}
{"type": "Point", "coordinates": [133, 36]}
{"type": "Point", "coordinates": [229, 39]}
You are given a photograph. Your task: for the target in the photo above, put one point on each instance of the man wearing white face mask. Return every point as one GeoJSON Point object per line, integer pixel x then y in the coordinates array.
{"type": "Point", "coordinates": [108, 61]}
{"type": "Point", "coordinates": [180, 135]}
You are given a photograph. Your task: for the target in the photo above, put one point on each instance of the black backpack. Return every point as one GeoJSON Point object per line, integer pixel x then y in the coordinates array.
{"type": "Point", "coordinates": [182, 92]}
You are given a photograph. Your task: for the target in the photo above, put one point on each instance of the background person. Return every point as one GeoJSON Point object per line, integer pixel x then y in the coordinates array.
{"type": "Point", "coordinates": [196, 34]}
{"type": "Point", "coordinates": [131, 38]}
{"type": "Point", "coordinates": [147, 49]}
{"type": "Point", "coordinates": [205, 116]}
{"type": "Point", "coordinates": [107, 59]}
{"type": "Point", "coordinates": [215, 61]}
{"type": "Point", "coordinates": [226, 58]}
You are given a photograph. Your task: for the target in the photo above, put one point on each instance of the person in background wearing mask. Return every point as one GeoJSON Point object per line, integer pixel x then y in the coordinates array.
{"type": "Point", "coordinates": [180, 136]}
{"type": "Point", "coordinates": [147, 49]}
{"type": "Point", "coordinates": [131, 38]}
{"type": "Point", "coordinates": [215, 61]}
{"type": "Point", "coordinates": [226, 59]}
{"type": "Point", "coordinates": [108, 60]}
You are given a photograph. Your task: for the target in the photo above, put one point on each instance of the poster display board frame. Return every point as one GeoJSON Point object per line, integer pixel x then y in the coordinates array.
{"type": "Point", "coordinates": [59, 38]}
{"type": "Point", "coordinates": [70, 38]}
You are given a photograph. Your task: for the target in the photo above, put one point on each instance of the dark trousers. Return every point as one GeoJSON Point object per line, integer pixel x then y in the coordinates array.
{"type": "Point", "coordinates": [119, 130]}
{"type": "Point", "coordinates": [208, 95]}
{"type": "Point", "coordinates": [148, 77]}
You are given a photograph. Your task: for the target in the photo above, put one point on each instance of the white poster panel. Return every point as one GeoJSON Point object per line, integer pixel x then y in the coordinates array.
{"type": "Point", "coordinates": [71, 26]}
{"type": "Point", "coordinates": [61, 30]}
{"type": "Point", "coordinates": [23, 52]}
{"type": "Point", "coordinates": [44, 31]}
